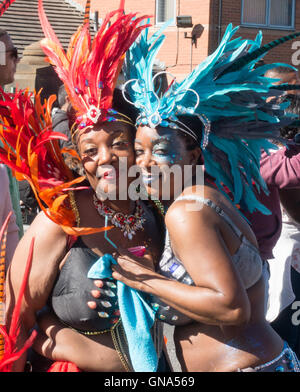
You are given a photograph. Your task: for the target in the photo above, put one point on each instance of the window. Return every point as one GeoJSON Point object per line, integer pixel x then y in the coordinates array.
{"type": "Point", "coordinates": [165, 10]}
{"type": "Point", "coordinates": [269, 13]}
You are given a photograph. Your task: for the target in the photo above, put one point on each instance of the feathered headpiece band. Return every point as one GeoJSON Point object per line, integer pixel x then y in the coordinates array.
{"type": "Point", "coordinates": [230, 98]}
{"type": "Point", "coordinates": [90, 69]}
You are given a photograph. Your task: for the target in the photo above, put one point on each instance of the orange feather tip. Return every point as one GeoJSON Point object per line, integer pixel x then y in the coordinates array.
{"type": "Point", "coordinates": [79, 231]}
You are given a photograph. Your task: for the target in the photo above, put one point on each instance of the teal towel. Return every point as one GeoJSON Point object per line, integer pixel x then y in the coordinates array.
{"type": "Point", "coordinates": [136, 315]}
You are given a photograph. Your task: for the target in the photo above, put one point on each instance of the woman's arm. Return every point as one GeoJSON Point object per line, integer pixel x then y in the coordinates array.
{"type": "Point", "coordinates": [49, 249]}
{"type": "Point", "coordinates": [219, 296]}
{"type": "Point", "coordinates": [282, 167]}
{"type": "Point", "coordinates": [60, 343]}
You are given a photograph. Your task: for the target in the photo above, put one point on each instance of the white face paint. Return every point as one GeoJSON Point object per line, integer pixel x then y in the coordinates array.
{"type": "Point", "coordinates": [163, 156]}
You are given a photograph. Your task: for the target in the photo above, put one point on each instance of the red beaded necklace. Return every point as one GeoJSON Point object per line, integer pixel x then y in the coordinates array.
{"type": "Point", "coordinates": [128, 224]}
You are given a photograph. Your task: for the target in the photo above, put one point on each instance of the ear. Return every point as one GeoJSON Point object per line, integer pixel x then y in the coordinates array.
{"type": "Point", "coordinates": [195, 156]}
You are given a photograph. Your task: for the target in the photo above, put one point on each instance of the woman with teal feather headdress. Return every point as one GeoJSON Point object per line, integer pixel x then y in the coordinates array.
{"type": "Point", "coordinates": [209, 281]}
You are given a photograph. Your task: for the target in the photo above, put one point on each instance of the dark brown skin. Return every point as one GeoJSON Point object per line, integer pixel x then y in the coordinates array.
{"type": "Point", "coordinates": [229, 331]}
{"type": "Point", "coordinates": [105, 145]}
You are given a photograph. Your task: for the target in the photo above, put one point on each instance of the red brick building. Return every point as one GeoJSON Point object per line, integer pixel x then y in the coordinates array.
{"type": "Point", "coordinates": [275, 18]}
{"type": "Point", "coordinates": [176, 52]}
{"type": "Point", "coordinates": [179, 54]}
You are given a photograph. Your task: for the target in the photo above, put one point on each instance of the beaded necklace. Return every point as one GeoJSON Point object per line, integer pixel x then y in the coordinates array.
{"type": "Point", "coordinates": [128, 224]}
{"type": "Point", "coordinates": [158, 204]}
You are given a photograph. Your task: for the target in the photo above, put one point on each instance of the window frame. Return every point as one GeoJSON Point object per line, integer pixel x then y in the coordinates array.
{"type": "Point", "coordinates": [267, 25]}
{"type": "Point", "coordinates": [156, 14]}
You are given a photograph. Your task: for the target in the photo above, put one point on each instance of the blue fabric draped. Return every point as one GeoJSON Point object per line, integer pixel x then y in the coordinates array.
{"type": "Point", "coordinates": [136, 315]}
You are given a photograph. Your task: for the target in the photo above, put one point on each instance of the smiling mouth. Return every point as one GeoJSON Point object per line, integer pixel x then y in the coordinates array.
{"type": "Point", "coordinates": [147, 179]}
{"type": "Point", "coordinates": [108, 175]}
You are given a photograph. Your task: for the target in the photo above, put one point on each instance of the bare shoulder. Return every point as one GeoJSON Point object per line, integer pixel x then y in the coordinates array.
{"type": "Point", "coordinates": [42, 226]}
{"type": "Point", "coordinates": [193, 213]}
{"type": "Point", "coordinates": [49, 247]}
{"type": "Point", "coordinates": [190, 203]}
{"type": "Point", "coordinates": [49, 239]}
{"type": "Point", "coordinates": [47, 235]}
{"type": "Point", "coordinates": [190, 211]}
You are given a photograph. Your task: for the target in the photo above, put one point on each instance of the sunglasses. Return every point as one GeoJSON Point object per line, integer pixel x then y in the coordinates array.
{"type": "Point", "coordinates": [14, 53]}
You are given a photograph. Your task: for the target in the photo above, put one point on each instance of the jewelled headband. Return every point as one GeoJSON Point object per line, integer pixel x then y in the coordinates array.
{"type": "Point", "coordinates": [116, 116]}
{"type": "Point", "coordinates": [90, 68]}
{"type": "Point", "coordinates": [156, 116]}
{"type": "Point", "coordinates": [95, 115]}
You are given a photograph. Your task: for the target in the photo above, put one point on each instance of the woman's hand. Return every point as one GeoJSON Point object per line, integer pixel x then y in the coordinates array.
{"type": "Point", "coordinates": [131, 270]}
{"type": "Point", "coordinates": [96, 293]}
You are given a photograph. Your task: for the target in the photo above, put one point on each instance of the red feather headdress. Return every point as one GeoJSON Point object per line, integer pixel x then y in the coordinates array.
{"type": "Point", "coordinates": [90, 69]}
{"type": "Point", "coordinates": [31, 150]}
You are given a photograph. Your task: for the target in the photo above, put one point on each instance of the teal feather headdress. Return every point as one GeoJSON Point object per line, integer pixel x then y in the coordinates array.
{"type": "Point", "coordinates": [228, 95]}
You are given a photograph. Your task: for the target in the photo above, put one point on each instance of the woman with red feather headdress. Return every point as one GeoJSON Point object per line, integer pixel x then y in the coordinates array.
{"type": "Point", "coordinates": [78, 228]}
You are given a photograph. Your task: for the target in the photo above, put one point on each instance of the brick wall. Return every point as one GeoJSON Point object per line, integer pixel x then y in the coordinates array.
{"type": "Point", "coordinates": [282, 53]}
{"type": "Point", "coordinates": [176, 51]}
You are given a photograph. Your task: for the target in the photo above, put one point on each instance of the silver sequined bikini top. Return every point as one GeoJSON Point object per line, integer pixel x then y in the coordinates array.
{"type": "Point", "coordinates": [247, 261]}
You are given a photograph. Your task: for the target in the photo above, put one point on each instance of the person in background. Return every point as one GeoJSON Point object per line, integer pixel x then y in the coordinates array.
{"type": "Point", "coordinates": [28, 203]}
{"type": "Point", "coordinates": [280, 169]}
{"type": "Point", "coordinates": [5, 208]}
{"type": "Point", "coordinates": [8, 67]}
{"type": "Point", "coordinates": [285, 75]}
{"type": "Point", "coordinates": [287, 249]}
{"type": "Point", "coordinates": [60, 119]}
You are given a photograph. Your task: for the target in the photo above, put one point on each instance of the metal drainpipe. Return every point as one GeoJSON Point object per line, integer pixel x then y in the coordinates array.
{"type": "Point", "coordinates": [177, 42]}
{"type": "Point", "coordinates": [96, 20]}
{"type": "Point", "coordinates": [220, 21]}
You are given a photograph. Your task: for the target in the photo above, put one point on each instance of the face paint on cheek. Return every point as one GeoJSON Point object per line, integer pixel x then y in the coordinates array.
{"type": "Point", "coordinates": [166, 152]}
{"type": "Point", "coordinates": [166, 155]}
